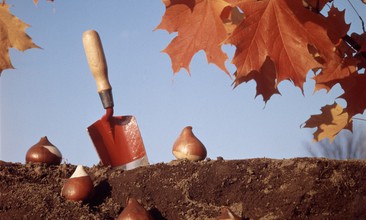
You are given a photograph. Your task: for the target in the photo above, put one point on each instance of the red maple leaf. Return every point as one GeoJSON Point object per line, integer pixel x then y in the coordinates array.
{"type": "Point", "coordinates": [200, 27]}
{"type": "Point", "coordinates": [272, 28]}
{"type": "Point", "coordinates": [354, 93]}
{"type": "Point", "coordinates": [335, 24]}
{"type": "Point", "coordinates": [265, 79]}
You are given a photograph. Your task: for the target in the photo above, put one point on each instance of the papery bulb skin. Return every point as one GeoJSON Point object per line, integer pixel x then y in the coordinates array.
{"type": "Point", "coordinates": [134, 211]}
{"type": "Point", "coordinates": [44, 152]}
{"type": "Point", "coordinates": [227, 214]}
{"type": "Point", "coordinates": [79, 187]}
{"type": "Point", "coordinates": [188, 146]}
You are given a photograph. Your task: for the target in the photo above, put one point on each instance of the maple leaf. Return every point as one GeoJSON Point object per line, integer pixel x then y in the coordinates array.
{"type": "Point", "coordinates": [354, 93]}
{"type": "Point", "coordinates": [200, 27]}
{"type": "Point", "coordinates": [336, 69]}
{"type": "Point", "coordinates": [330, 122]}
{"type": "Point", "coordinates": [335, 24]}
{"type": "Point", "coordinates": [12, 35]}
{"type": "Point", "coordinates": [265, 79]}
{"type": "Point", "coordinates": [326, 37]}
{"type": "Point", "coordinates": [332, 52]}
{"type": "Point", "coordinates": [272, 28]}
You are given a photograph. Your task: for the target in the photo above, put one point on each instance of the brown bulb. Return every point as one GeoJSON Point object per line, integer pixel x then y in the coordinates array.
{"type": "Point", "coordinates": [227, 214]}
{"type": "Point", "coordinates": [44, 152]}
{"type": "Point", "coordinates": [134, 211]}
{"type": "Point", "coordinates": [188, 146]}
{"type": "Point", "coordinates": [79, 187]}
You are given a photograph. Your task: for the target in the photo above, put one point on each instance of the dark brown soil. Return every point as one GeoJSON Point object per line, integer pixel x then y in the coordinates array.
{"type": "Point", "coordinates": [253, 189]}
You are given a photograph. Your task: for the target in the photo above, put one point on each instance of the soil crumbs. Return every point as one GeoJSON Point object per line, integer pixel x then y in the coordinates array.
{"type": "Point", "coordinates": [298, 188]}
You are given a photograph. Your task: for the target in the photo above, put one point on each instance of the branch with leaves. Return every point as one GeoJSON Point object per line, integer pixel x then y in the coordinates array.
{"type": "Point", "coordinates": [275, 40]}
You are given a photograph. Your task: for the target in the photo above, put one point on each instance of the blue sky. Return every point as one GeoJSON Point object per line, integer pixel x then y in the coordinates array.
{"type": "Point", "coordinates": [52, 92]}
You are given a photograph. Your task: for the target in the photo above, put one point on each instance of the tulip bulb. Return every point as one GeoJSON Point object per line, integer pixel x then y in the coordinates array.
{"type": "Point", "coordinates": [44, 152]}
{"type": "Point", "coordinates": [134, 211]}
{"type": "Point", "coordinates": [227, 214]}
{"type": "Point", "coordinates": [79, 186]}
{"type": "Point", "coordinates": [188, 146]}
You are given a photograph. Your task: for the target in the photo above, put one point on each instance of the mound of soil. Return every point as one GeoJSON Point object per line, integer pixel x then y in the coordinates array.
{"type": "Point", "coordinates": [253, 189]}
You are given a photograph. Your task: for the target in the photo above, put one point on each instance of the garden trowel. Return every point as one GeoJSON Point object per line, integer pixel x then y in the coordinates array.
{"type": "Point", "coordinates": [117, 139]}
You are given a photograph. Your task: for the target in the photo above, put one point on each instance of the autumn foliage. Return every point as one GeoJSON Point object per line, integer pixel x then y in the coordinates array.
{"type": "Point", "coordinates": [275, 40]}
{"type": "Point", "coordinates": [12, 35]}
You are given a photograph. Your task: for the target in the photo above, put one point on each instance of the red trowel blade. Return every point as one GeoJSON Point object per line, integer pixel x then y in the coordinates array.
{"type": "Point", "coordinates": [118, 141]}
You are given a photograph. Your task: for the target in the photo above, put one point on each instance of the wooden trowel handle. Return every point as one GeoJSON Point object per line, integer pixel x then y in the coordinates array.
{"type": "Point", "coordinates": [98, 66]}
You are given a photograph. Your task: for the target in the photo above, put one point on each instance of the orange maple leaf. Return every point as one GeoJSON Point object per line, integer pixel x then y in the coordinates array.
{"type": "Point", "coordinates": [12, 35]}
{"type": "Point", "coordinates": [200, 27]}
{"type": "Point", "coordinates": [330, 122]}
{"type": "Point", "coordinates": [275, 29]}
